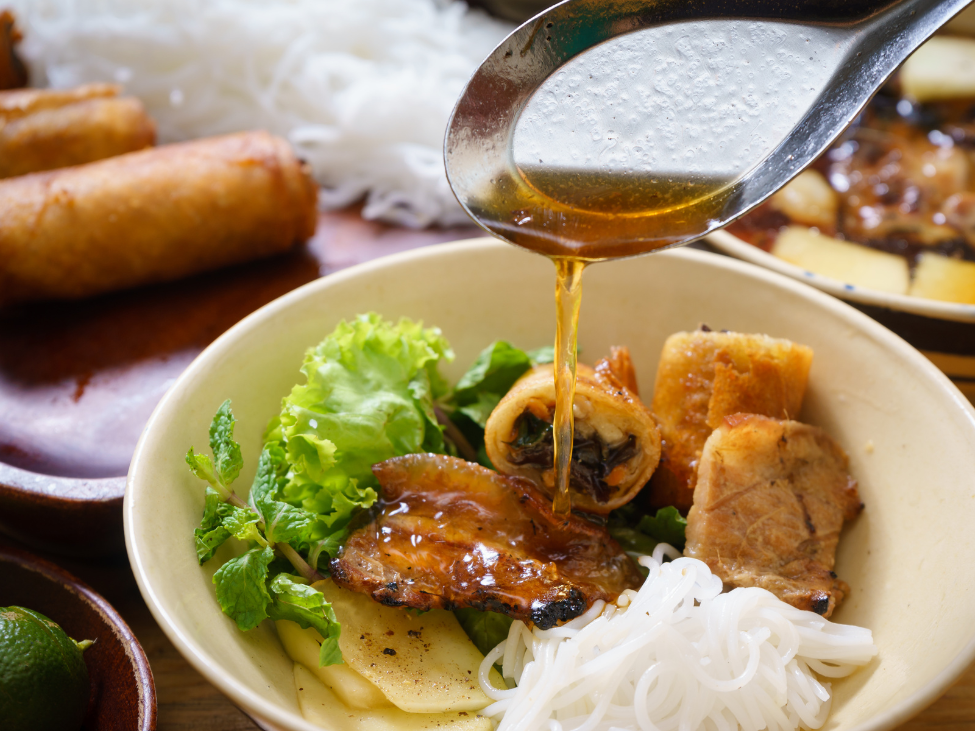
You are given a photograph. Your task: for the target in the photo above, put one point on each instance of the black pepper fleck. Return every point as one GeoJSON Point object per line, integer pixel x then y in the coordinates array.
{"type": "Point", "coordinates": [389, 651]}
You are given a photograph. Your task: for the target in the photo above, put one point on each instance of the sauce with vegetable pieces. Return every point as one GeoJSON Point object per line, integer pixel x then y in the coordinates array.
{"type": "Point", "coordinates": [897, 191]}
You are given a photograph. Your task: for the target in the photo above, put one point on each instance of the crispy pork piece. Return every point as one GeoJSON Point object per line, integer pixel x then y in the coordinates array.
{"type": "Point", "coordinates": [453, 534]}
{"type": "Point", "coordinates": [770, 501]}
{"type": "Point", "coordinates": [704, 376]}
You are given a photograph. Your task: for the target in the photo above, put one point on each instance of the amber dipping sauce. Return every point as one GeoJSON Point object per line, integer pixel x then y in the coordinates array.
{"type": "Point", "coordinates": [579, 217]}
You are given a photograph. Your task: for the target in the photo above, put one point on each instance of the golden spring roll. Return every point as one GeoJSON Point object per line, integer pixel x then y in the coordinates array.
{"type": "Point", "coordinates": [13, 73]}
{"type": "Point", "coordinates": [616, 446]}
{"type": "Point", "coordinates": [703, 377]}
{"type": "Point", "coordinates": [151, 216]}
{"type": "Point", "coordinates": [43, 129]}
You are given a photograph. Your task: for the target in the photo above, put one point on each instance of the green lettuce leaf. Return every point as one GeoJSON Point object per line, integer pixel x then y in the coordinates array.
{"type": "Point", "coordinates": [486, 629]}
{"type": "Point", "coordinates": [369, 396]}
{"type": "Point", "coordinates": [242, 587]}
{"type": "Point", "coordinates": [293, 599]}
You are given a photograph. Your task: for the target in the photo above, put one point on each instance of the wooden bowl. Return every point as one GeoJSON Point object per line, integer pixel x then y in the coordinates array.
{"type": "Point", "coordinates": [909, 433]}
{"type": "Point", "coordinates": [80, 517]}
{"type": "Point", "coordinates": [123, 697]}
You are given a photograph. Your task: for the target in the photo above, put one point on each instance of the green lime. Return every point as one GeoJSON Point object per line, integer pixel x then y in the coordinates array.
{"type": "Point", "coordinates": [43, 678]}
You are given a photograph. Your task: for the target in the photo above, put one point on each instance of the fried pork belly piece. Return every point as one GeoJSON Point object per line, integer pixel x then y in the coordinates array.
{"type": "Point", "coordinates": [770, 501]}
{"type": "Point", "coordinates": [454, 534]}
{"type": "Point", "coordinates": [704, 376]}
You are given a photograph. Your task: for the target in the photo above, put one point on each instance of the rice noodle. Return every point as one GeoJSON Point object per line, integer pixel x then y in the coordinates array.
{"type": "Point", "coordinates": [677, 655]}
{"type": "Point", "coordinates": [361, 88]}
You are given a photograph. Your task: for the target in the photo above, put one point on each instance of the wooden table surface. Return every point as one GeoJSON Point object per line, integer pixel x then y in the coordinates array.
{"type": "Point", "coordinates": [49, 366]}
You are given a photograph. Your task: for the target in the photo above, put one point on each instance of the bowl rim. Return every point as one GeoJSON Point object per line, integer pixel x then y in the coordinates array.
{"type": "Point", "coordinates": [84, 593]}
{"type": "Point", "coordinates": [728, 243]}
{"type": "Point", "coordinates": [265, 710]}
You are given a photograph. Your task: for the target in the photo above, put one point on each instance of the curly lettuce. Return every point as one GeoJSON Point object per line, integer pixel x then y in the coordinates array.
{"type": "Point", "coordinates": [369, 395]}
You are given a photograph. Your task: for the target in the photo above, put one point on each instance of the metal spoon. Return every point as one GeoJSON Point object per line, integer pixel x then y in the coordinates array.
{"type": "Point", "coordinates": [605, 128]}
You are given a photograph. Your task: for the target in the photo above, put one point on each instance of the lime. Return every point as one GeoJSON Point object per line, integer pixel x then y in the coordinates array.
{"type": "Point", "coordinates": [43, 677]}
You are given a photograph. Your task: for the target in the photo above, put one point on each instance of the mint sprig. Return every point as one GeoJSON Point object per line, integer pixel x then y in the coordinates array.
{"type": "Point", "coordinates": [245, 587]}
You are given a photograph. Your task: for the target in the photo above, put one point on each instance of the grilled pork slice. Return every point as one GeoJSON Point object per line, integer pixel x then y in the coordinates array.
{"type": "Point", "coordinates": [453, 534]}
{"type": "Point", "coordinates": [770, 501]}
{"type": "Point", "coordinates": [704, 376]}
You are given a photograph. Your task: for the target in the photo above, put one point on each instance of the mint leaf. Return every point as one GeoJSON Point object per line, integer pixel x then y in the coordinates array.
{"type": "Point", "coordinates": [211, 534]}
{"type": "Point", "coordinates": [226, 452]}
{"type": "Point", "coordinates": [328, 544]}
{"type": "Point", "coordinates": [292, 599]}
{"type": "Point", "coordinates": [486, 629]}
{"type": "Point", "coordinates": [667, 526]}
{"type": "Point", "coordinates": [221, 521]}
{"type": "Point", "coordinates": [242, 523]}
{"type": "Point", "coordinates": [202, 467]}
{"type": "Point", "coordinates": [241, 587]}
{"type": "Point", "coordinates": [283, 522]}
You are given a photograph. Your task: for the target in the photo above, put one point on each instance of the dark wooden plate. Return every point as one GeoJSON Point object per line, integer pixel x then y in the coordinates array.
{"type": "Point", "coordinates": [78, 380]}
{"type": "Point", "coordinates": [123, 697]}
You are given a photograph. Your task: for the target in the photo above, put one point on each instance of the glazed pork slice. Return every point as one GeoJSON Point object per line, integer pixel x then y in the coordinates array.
{"type": "Point", "coordinates": [453, 534]}
{"type": "Point", "coordinates": [770, 501]}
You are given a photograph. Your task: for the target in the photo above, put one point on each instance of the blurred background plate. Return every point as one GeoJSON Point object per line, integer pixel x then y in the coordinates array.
{"type": "Point", "coordinates": [78, 380]}
{"type": "Point", "coordinates": [943, 331]}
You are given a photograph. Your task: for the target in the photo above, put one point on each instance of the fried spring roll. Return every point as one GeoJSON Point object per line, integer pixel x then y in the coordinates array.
{"type": "Point", "coordinates": [13, 73]}
{"type": "Point", "coordinates": [703, 377]}
{"type": "Point", "coordinates": [151, 216]}
{"type": "Point", "coordinates": [42, 129]}
{"type": "Point", "coordinates": [616, 446]}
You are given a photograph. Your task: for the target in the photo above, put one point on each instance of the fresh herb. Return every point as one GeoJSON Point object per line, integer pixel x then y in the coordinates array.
{"type": "Point", "coordinates": [370, 393]}
{"type": "Point", "coordinates": [484, 384]}
{"type": "Point", "coordinates": [486, 629]}
{"type": "Point", "coordinates": [640, 533]}
{"type": "Point", "coordinates": [247, 591]}
{"type": "Point", "coordinates": [667, 526]}
{"type": "Point", "coordinates": [369, 396]}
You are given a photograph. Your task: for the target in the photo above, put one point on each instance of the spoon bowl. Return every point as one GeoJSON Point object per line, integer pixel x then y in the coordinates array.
{"type": "Point", "coordinates": [605, 129]}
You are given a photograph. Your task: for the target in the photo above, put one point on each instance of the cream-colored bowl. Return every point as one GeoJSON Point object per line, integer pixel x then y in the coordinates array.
{"type": "Point", "coordinates": [909, 432]}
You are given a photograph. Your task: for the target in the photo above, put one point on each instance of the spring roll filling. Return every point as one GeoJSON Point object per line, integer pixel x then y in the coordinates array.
{"type": "Point", "coordinates": [593, 463]}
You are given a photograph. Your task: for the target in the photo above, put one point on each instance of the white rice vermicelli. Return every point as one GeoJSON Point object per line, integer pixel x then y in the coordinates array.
{"type": "Point", "coordinates": [362, 88]}
{"type": "Point", "coordinates": [677, 655]}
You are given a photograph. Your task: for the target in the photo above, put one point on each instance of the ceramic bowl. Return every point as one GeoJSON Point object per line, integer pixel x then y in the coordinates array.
{"type": "Point", "coordinates": [75, 516]}
{"type": "Point", "coordinates": [123, 697]}
{"type": "Point", "coordinates": [909, 432]}
{"type": "Point", "coordinates": [943, 331]}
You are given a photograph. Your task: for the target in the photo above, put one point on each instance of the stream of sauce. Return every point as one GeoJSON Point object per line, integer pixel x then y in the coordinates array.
{"type": "Point", "coordinates": [577, 218]}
